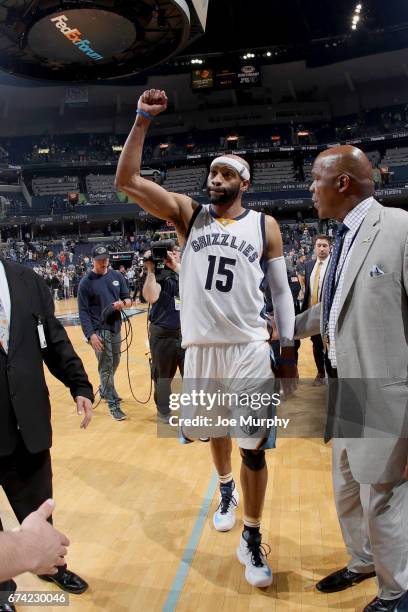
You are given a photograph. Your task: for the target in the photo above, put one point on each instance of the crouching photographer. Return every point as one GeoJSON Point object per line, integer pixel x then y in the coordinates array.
{"type": "Point", "coordinates": [161, 290]}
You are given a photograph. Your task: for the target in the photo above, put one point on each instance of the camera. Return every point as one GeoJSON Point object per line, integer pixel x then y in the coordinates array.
{"type": "Point", "coordinates": [159, 249]}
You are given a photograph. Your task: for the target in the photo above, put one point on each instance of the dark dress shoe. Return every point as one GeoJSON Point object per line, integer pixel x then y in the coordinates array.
{"type": "Point", "coordinates": [388, 605]}
{"type": "Point", "coordinates": [340, 580]}
{"type": "Point", "coordinates": [67, 581]}
{"type": "Point", "coordinates": [7, 608]}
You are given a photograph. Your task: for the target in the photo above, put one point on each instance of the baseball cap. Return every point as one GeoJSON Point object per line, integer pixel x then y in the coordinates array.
{"type": "Point", "coordinates": [100, 252]}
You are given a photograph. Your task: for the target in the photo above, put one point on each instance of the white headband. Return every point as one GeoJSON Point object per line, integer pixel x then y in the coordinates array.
{"type": "Point", "coordinates": [224, 160]}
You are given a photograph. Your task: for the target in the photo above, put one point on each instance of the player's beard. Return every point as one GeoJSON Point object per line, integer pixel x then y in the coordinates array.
{"type": "Point", "coordinates": [227, 196]}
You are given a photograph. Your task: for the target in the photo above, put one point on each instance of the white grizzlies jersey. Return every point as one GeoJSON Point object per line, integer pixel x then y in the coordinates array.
{"type": "Point", "coordinates": [220, 279]}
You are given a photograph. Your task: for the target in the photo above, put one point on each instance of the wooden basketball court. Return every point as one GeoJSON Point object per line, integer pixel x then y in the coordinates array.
{"type": "Point", "coordinates": [138, 510]}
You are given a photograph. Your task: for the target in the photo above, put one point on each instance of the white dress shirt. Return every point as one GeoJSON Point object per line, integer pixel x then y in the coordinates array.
{"type": "Point", "coordinates": [321, 279]}
{"type": "Point", "coordinates": [4, 292]}
{"type": "Point", "coordinates": [353, 221]}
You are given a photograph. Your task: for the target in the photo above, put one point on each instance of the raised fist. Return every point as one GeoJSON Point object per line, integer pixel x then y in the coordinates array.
{"type": "Point", "coordinates": [153, 101]}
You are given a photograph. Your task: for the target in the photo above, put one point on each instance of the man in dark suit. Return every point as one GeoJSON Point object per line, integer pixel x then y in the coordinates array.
{"type": "Point", "coordinates": [29, 336]}
{"type": "Point", "coordinates": [315, 271]}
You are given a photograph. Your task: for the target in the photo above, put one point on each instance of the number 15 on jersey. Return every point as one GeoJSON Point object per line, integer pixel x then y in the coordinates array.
{"type": "Point", "coordinates": [224, 283]}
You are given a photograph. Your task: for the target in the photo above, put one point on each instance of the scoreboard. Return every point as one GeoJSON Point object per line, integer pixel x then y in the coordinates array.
{"type": "Point", "coordinates": [236, 76]}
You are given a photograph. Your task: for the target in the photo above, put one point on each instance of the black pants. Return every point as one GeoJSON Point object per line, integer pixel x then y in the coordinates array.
{"type": "Point", "coordinates": [167, 356]}
{"type": "Point", "coordinates": [27, 482]}
{"type": "Point", "coordinates": [318, 353]}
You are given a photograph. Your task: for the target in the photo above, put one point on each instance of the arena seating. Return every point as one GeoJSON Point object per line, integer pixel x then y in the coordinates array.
{"type": "Point", "coordinates": [60, 185]}
{"type": "Point", "coordinates": [273, 171]}
{"type": "Point", "coordinates": [184, 180]}
{"type": "Point", "coordinates": [101, 187]}
{"type": "Point", "coordinates": [374, 157]}
{"type": "Point", "coordinates": [307, 169]}
{"type": "Point", "coordinates": [396, 160]}
{"type": "Point", "coordinates": [396, 157]}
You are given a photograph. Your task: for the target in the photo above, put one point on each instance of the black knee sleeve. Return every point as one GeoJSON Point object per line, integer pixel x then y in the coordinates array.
{"type": "Point", "coordinates": [253, 460]}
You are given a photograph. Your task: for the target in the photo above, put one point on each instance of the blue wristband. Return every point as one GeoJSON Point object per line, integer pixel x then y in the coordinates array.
{"type": "Point", "coordinates": [145, 114]}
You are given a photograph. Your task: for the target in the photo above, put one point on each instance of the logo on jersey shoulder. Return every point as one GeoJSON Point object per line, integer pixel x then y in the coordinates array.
{"type": "Point", "coordinates": [115, 283]}
{"type": "Point", "coordinates": [226, 240]}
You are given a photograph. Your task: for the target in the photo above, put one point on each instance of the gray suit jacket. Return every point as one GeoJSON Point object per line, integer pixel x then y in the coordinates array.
{"type": "Point", "coordinates": [372, 347]}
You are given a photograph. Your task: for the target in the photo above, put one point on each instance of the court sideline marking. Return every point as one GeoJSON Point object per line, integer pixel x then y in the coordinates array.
{"type": "Point", "coordinates": [188, 555]}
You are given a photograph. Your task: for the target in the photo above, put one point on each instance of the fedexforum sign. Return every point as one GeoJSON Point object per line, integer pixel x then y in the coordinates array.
{"type": "Point", "coordinates": [75, 36]}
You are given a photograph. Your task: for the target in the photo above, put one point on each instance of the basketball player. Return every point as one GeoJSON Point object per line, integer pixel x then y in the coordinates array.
{"type": "Point", "coordinates": [222, 327]}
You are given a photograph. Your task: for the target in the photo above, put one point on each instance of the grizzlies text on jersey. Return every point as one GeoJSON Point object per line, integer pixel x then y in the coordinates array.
{"type": "Point", "coordinates": [220, 279]}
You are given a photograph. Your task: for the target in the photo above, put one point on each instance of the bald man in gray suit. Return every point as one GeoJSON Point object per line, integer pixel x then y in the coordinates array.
{"type": "Point", "coordinates": [363, 319]}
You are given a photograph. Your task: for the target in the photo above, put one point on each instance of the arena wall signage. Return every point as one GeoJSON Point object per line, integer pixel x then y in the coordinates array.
{"type": "Point", "coordinates": [290, 149]}
{"type": "Point", "coordinates": [249, 75]}
{"type": "Point", "coordinates": [202, 79]}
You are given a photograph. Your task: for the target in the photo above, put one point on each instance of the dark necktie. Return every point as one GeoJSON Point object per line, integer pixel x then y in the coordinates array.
{"type": "Point", "coordinates": [331, 273]}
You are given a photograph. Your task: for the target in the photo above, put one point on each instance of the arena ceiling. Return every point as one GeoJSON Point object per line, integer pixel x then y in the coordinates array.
{"type": "Point", "coordinates": [317, 31]}
{"type": "Point", "coordinates": [238, 24]}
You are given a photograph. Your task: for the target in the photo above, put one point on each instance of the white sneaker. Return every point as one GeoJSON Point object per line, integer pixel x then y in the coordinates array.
{"type": "Point", "coordinates": [224, 516]}
{"type": "Point", "coordinates": [251, 553]}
